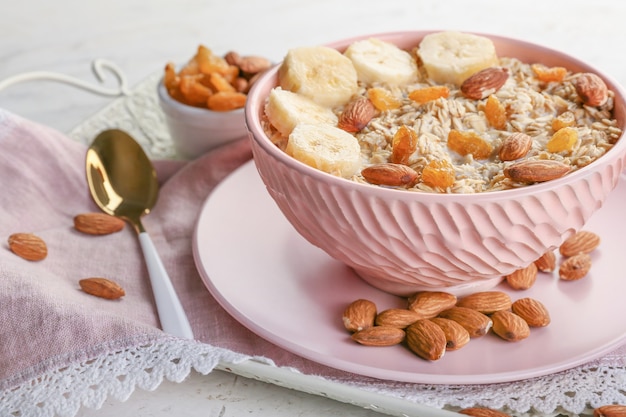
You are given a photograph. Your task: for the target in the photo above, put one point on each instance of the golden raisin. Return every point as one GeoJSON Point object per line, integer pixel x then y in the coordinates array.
{"type": "Point", "coordinates": [465, 143]}
{"type": "Point", "coordinates": [565, 119]}
{"type": "Point", "coordinates": [403, 145]}
{"type": "Point", "coordinates": [226, 101]}
{"type": "Point", "coordinates": [549, 74]}
{"type": "Point", "coordinates": [426, 94]}
{"type": "Point", "coordinates": [495, 112]}
{"type": "Point", "coordinates": [563, 140]}
{"type": "Point", "coordinates": [438, 173]}
{"type": "Point", "coordinates": [383, 99]}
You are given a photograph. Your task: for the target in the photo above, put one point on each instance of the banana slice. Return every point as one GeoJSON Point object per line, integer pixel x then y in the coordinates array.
{"type": "Point", "coordinates": [326, 148]}
{"type": "Point", "coordinates": [451, 57]}
{"type": "Point", "coordinates": [378, 61]}
{"type": "Point", "coordinates": [285, 110]}
{"type": "Point", "coordinates": [320, 73]}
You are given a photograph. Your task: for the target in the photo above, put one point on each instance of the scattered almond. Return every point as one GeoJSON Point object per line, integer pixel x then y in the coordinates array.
{"type": "Point", "coordinates": [523, 278]}
{"type": "Point", "coordinates": [426, 339]}
{"type": "Point", "coordinates": [476, 323]}
{"type": "Point", "coordinates": [394, 175]}
{"type": "Point", "coordinates": [484, 82]}
{"type": "Point", "coordinates": [430, 303]}
{"type": "Point", "coordinates": [515, 146]}
{"type": "Point", "coordinates": [97, 223]}
{"type": "Point", "coordinates": [575, 267]}
{"type": "Point", "coordinates": [356, 115]}
{"type": "Point", "coordinates": [482, 412]}
{"type": "Point", "coordinates": [251, 64]}
{"type": "Point", "coordinates": [532, 311]}
{"type": "Point", "coordinates": [486, 302]}
{"type": "Point", "coordinates": [102, 287]}
{"type": "Point", "coordinates": [509, 326]}
{"type": "Point", "coordinates": [583, 241]}
{"type": "Point", "coordinates": [613, 410]}
{"type": "Point", "coordinates": [591, 89]}
{"type": "Point", "coordinates": [547, 262]}
{"type": "Point", "coordinates": [232, 58]}
{"type": "Point", "coordinates": [397, 317]}
{"type": "Point", "coordinates": [359, 315]}
{"type": "Point", "coordinates": [28, 246]}
{"type": "Point", "coordinates": [456, 335]}
{"type": "Point", "coordinates": [379, 336]}
{"type": "Point", "coordinates": [531, 171]}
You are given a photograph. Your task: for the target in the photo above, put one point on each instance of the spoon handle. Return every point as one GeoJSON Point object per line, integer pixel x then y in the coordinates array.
{"type": "Point", "coordinates": [171, 313]}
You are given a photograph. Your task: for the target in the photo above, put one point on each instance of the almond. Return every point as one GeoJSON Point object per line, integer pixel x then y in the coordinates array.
{"type": "Point", "coordinates": [482, 412]}
{"type": "Point", "coordinates": [359, 315]}
{"type": "Point", "coordinates": [102, 287]}
{"type": "Point", "coordinates": [426, 339]}
{"type": "Point", "coordinates": [476, 323]}
{"type": "Point", "coordinates": [28, 246]}
{"type": "Point", "coordinates": [532, 311]}
{"type": "Point", "coordinates": [397, 317]}
{"type": "Point", "coordinates": [575, 267]}
{"type": "Point", "coordinates": [98, 223]}
{"type": "Point", "coordinates": [509, 326]}
{"type": "Point", "coordinates": [523, 278]}
{"type": "Point", "coordinates": [456, 335]}
{"type": "Point", "coordinates": [547, 262]}
{"type": "Point", "coordinates": [389, 174]}
{"type": "Point", "coordinates": [430, 303]}
{"type": "Point", "coordinates": [529, 171]}
{"type": "Point", "coordinates": [515, 146]}
{"type": "Point", "coordinates": [379, 336]}
{"type": "Point", "coordinates": [591, 89]}
{"type": "Point", "coordinates": [232, 58]}
{"type": "Point", "coordinates": [484, 82]}
{"type": "Point", "coordinates": [356, 115]}
{"type": "Point", "coordinates": [613, 410]}
{"type": "Point", "coordinates": [581, 242]}
{"type": "Point", "coordinates": [487, 302]}
{"type": "Point", "coordinates": [253, 64]}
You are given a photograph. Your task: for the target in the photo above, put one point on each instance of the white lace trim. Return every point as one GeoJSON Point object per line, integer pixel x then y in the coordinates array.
{"type": "Point", "coordinates": [572, 393]}
{"type": "Point", "coordinates": [61, 392]}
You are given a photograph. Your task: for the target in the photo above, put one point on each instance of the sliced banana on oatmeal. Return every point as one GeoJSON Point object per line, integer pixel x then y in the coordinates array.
{"type": "Point", "coordinates": [378, 61]}
{"type": "Point", "coordinates": [320, 73]}
{"type": "Point", "coordinates": [285, 110]}
{"type": "Point", "coordinates": [451, 57]}
{"type": "Point", "coordinates": [326, 148]}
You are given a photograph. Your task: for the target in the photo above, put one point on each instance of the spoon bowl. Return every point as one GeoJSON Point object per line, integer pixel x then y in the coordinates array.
{"type": "Point", "coordinates": [123, 183]}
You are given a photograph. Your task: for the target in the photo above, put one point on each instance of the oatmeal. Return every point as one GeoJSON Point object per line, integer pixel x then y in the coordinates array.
{"type": "Point", "coordinates": [531, 107]}
{"type": "Point", "coordinates": [456, 137]}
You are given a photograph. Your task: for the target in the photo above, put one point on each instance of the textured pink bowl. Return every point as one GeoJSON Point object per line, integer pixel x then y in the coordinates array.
{"type": "Point", "coordinates": [402, 242]}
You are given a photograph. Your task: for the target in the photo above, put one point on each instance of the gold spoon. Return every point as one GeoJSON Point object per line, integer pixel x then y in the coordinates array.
{"type": "Point", "coordinates": [123, 183]}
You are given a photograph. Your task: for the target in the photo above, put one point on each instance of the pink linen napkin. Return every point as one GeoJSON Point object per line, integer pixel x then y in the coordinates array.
{"type": "Point", "coordinates": [45, 319]}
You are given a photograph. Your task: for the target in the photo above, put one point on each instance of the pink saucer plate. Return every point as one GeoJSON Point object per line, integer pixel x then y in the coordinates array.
{"type": "Point", "coordinates": [291, 293]}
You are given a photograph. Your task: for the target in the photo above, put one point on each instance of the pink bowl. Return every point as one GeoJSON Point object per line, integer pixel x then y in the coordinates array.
{"type": "Point", "coordinates": [402, 242]}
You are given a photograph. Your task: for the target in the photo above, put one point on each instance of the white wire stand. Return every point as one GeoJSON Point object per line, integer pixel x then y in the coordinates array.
{"type": "Point", "coordinates": [100, 68]}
